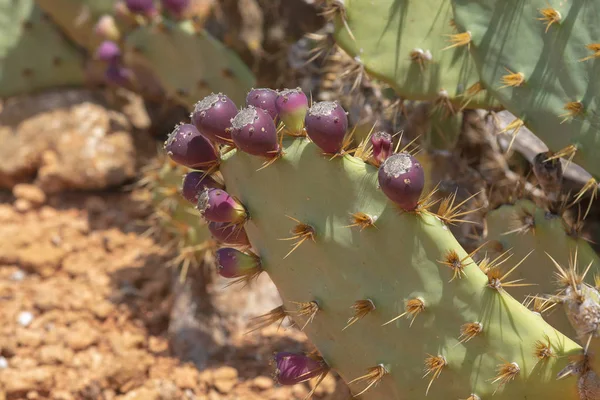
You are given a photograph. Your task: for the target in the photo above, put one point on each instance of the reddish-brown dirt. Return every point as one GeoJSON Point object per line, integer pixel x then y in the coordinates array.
{"type": "Point", "coordinates": [85, 307]}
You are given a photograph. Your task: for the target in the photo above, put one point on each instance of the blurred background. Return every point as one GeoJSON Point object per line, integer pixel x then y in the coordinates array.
{"type": "Point", "coordinates": [108, 287]}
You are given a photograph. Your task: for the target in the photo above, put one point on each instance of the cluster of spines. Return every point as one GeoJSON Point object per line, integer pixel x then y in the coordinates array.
{"type": "Point", "coordinates": [253, 129]}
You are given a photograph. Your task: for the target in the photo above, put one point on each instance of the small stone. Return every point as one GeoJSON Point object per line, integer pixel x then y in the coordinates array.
{"type": "Point", "coordinates": [23, 205]}
{"type": "Point", "coordinates": [31, 193]}
{"type": "Point", "coordinates": [263, 383]}
{"type": "Point", "coordinates": [25, 318]}
{"type": "Point", "coordinates": [3, 363]}
{"type": "Point", "coordinates": [225, 379]}
{"type": "Point", "coordinates": [18, 275]}
{"type": "Point", "coordinates": [186, 377]}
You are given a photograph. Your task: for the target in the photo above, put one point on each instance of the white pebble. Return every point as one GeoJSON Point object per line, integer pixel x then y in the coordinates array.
{"type": "Point", "coordinates": [3, 363]}
{"type": "Point", "coordinates": [25, 318]}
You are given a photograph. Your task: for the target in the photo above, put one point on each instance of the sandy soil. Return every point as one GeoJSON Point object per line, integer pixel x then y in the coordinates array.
{"type": "Point", "coordinates": [85, 308]}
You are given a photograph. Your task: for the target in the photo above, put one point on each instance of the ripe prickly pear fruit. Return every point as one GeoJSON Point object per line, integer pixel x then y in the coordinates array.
{"type": "Point", "coordinates": [216, 205]}
{"type": "Point", "coordinates": [232, 263]}
{"type": "Point", "coordinates": [176, 7]}
{"type": "Point", "coordinates": [382, 146]}
{"type": "Point", "coordinates": [254, 132]}
{"type": "Point", "coordinates": [108, 51]}
{"type": "Point", "coordinates": [263, 98]}
{"type": "Point", "coordinates": [194, 183]}
{"type": "Point", "coordinates": [292, 105]}
{"type": "Point", "coordinates": [294, 368]}
{"type": "Point", "coordinates": [144, 7]}
{"type": "Point", "coordinates": [186, 146]}
{"type": "Point", "coordinates": [212, 116]}
{"type": "Point", "coordinates": [326, 123]}
{"type": "Point", "coordinates": [401, 178]}
{"type": "Point", "coordinates": [118, 75]}
{"type": "Point", "coordinates": [227, 233]}
{"type": "Point", "coordinates": [106, 28]}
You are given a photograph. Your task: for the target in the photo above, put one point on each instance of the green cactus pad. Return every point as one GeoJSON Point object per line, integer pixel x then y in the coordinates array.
{"type": "Point", "coordinates": [391, 263]}
{"type": "Point", "coordinates": [387, 31]}
{"type": "Point", "coordinates": [189, 64]}
{"type": "Point", "coordinates": [512, 37]}
{"type": "Point", "coordinates": [545, 234]}
{"type": "Point", "coordinates": [34, 55]}
{"type": "Point", "coordinates": [77, 18]}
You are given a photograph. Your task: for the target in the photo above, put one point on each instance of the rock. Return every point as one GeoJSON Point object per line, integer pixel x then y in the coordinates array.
{"type": "Point", "coordinates": [67, 140]}
{"type": "Point", "coordinates": [23, 205]}
{"type": "Point", "coordinates": [225, 379]}
{"type": "Point", "coordinates": [31, 193]}
{"type": "Point", "coordinates": [262, 382]}
{"type": "Point", "coordinates": [54, 354]}
{"type": "Point", "coordinates": [186, 377]}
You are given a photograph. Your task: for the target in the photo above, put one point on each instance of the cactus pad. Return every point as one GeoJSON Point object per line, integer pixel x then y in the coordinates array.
{"type": "Point", "coordinates": [33, 53]}
{"type": "Point", "coordinates": [523, 227]}
{"type": "Point", "coordinates": [78, 17]}
{"type": "Point", "coordinates": [402, 42]}
{"type": "Point", "coordinates": [363, 278]}
{"type": "Point", "coordinates": [541, 60]}
{"type": "Point", "coordinates": [189, 64]}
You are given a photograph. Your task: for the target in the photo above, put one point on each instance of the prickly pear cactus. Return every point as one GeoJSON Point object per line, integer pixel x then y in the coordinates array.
{"type": "Point", "coordinates": [33, 53]}
{"type": "Point", "coordinates": [77, 18]}
{"type": "Point", "coordinates": [529, 233]}
{"type": "Point", "coordinates": [370, 271]}
{"type": "Point", "coordinates": [411, 45]}
{"type": "Point", "coordinates": [189, 64]}
{"type": "Point", "coordinates": [540, 60]}
{"type": "Point", "coordinates": [174, 215]}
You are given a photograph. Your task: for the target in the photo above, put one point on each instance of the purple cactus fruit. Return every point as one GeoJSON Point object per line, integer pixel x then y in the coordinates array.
{"type": "Point", "coordinates": [254, 132]}
{"type": "Point", "coordinates": [401, 177]}
{"type": "Point", "coordinates": [292, 105]}
{"type": "Point", "coordinates": [263, 98]}
{"type": "Point", "coordinates": [196, 182]}
{"type": "Point", "coordinates": [294, 368]}
{"type": "Point", "coordinates": [216, 205]}
{"type": "Point", "coordinates": [106, 28]}
{"type": "Point", "coordinates": [118, 75]}
{"type": "Point", "coordinates": [227, 233]}
{"type": "Point", "coordinates": [326, 123]}
{"type": "Point", "coordinates": [212, 116]}
{"type": "Point", "coordinates": [144, 7]}
{"type": "Point", "coordinates": [232, 263]}
{"type": "Point", "coordinates": [176, 7]}
{"type": "Point", "coordinates": [186, 146]}
{"type": "Point", "coordinates": [382, 146]}
{"type": "Point", "coordinates": [108, 51]}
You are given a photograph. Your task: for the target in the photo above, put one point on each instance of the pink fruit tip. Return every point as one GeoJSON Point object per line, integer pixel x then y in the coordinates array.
{"type": "Point", "coordinates": [194, 183]}
{"type": "Point", "coordinates": [326, 123]}
{"type": "Point", "coordinates": [186, 146]}
{"type": "Point", "coordinates": [294, 368]}
{"type": "Point", "coordinates": [382, 146]}
{"type": "Point", "coordinates": [117, 74]}
{"type": "Point", "coordinates": [108, 51]}
{"type": "Point", "coordinates": [263, 98]}
{"type": "Point", "coordinates": [292, 105]}
{"type": "Point", "coordinates": [254, 132]}
{"type": "Point", "coordinates": [216, 205]}
{"type": "Point", "coordinates": [232, 263]}
{"type": "Point", "coordinates": [402, 179]}
{"type": "Point", "coordinates": [212, 116]}
{"type": "Point", "coordinates": [143, 7]}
